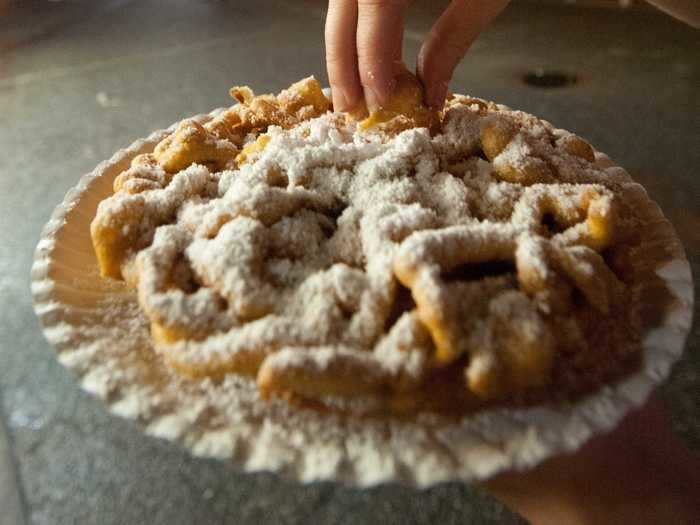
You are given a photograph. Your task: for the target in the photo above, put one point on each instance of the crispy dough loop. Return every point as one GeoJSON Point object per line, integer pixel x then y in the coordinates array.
{"type": "Point", "coordinates": [447, 248]}
{"type": "Point", "coordinates": [125, 222]}
{"type": "Point", "coordinates": [240, 350]}
{"type": "Point", "coordinates": [115, 233]}
{"type": "Point", "coordinates": [472, 317]}
{"type": "Point", "coordinates": [516, 155]}
{"type": "Point", "coordinates": [517, 352]}
{"type": "Point", "coordinates": [578, 214]}
{"type": "Point", "coordinates": [396, 367]}
{"type": "Point", "coordinates": [425, 256]}
{"type": "Point", "coordinates": [140, 177]}
{"type": "Point", "coordinates": [574, 145]}
{"type": "Point", "coordinates": [169, 294]}
{"type": "Point", "coordinates": [463, 316]}
{"type": "Point", "coordinates": [216, 144]}
{"type": "Point", "coordinates": [254, 114]}
{"type": "Point", "coordinates": [190, 144]}
{"type": "Point", "coordinates": [590, 274]}
{"type": "Point", "coordinates": [314, 373]}
{"type": "Point", "coordinates": [246, 242]}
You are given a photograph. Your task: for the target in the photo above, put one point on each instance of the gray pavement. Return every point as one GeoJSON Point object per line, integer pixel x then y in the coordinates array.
{"type": "Point", "coordinates": [10, 503]}
{"type": "Point", "coordinates": [80, 79]}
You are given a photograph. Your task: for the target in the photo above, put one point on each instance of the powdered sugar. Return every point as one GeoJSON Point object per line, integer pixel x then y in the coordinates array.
{"type": "Point", "coordinates": [98, 326]}
{"type": "Point", "coordinates": [297, 245]}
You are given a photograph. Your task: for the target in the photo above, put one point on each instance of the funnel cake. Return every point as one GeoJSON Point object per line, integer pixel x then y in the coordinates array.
{"type": "Point", "coordinates": [402, 262]}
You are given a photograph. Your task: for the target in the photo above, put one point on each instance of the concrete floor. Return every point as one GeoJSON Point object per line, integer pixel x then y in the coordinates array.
{"type": "Point", "coordinates": [80, 79]}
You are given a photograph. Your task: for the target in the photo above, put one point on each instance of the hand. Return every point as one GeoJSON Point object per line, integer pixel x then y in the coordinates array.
{"type": "Point", "coordinates": [640, 473]}
{"type": "Point", "coordinates": [687, 11]}
{"type": "Point", "coordinates": [364, 40]}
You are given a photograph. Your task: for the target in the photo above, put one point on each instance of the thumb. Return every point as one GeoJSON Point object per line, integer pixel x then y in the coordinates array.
{"type": "Point", "coordinates": [448, 41]}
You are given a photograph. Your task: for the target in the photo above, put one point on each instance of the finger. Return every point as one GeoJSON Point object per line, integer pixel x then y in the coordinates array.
{"type": "Point", "coordinates": [341, 54]}
{"type": "Point", "coordinates": [448, 41]}
{"type": "Point", "coordinates": [379, 41]}
{"type": "Point", "coordinates": [687, 11]}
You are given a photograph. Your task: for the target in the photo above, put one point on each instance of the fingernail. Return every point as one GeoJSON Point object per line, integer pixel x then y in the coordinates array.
{"type": "Point", "coordinates": [378, 93]}
{"type": "Point", "coordinates": [372, 99]}
{"type": "Point", "coordinates": [340, 100]}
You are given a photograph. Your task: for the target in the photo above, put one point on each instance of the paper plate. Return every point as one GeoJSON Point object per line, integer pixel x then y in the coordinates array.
{"type": "Point", "coordinates": [99, 333]}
